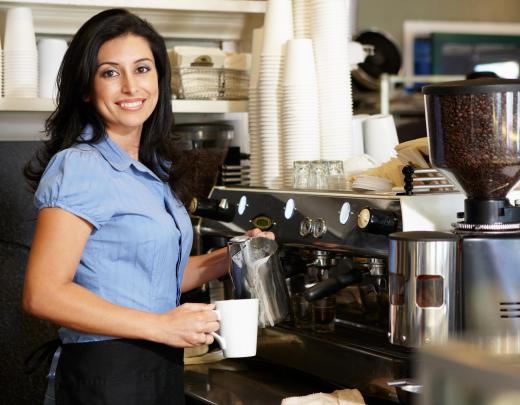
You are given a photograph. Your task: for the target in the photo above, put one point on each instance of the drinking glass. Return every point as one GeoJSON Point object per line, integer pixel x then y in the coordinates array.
{"type": "Point", "coordinates": [318, 174]}
{"type": "Point", "coordinates": [301, 173]}
{"type": "Point", "coordinates": [301, 311]}
{"type": "Point", "coordinates": [336, 178]}
{"type": "Point", "coordinates": [323, 314]}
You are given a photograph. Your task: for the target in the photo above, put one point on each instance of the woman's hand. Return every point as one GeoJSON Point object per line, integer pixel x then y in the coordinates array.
{"type": "Point", "coordinates": [259, 232]}
{"type": "Point", "coordinates": [188, 325]}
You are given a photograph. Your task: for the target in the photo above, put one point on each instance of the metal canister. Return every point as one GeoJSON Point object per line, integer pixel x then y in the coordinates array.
{"type": "Point", "coordinates": [256, 272]}
{"type": "Point", "coordinates": [424, 301]}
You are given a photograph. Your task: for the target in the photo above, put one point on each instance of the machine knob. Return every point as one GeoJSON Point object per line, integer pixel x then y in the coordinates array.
{"type": "Point", "coordinates": [319, 228]}
{"type": "Point", "coordinates": [218, 210]}
{"type": "Point", "coordinates": [377, 221]}
{"type": "Point", "coordinates": [306, 226]}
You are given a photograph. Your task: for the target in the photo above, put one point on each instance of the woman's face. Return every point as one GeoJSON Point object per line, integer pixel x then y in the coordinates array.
{"type": "Point", "coordinates": [126, 86]}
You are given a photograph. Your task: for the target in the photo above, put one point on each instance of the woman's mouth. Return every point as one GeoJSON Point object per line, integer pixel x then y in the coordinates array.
{"type": "Point", "coordinates": [131, 105]}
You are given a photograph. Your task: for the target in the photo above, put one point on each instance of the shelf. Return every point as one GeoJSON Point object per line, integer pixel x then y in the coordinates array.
{"type": "Point", "coordinates": [179, 106]}
{"type": "Point", "coordinates": [195, 19]}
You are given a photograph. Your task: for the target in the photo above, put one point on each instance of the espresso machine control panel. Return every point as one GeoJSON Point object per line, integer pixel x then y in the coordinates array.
{"type": "Point", "coordinates": [350, 223]}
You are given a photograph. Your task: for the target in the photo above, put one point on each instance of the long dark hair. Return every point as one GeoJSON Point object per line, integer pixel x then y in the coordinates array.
{"type": "Point", "coordinates": [75, 84]}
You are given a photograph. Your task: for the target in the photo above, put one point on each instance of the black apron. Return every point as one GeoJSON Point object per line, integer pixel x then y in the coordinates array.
{"type": "Point", "coordinates": [120, 372]}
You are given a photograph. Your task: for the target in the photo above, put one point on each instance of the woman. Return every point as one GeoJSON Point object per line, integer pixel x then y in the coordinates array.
{"type": "Point", "coordinates": [110, 254]}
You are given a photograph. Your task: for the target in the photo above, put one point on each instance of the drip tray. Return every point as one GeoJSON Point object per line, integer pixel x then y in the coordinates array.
{"type": "Point", "coordinates": [349, 357]}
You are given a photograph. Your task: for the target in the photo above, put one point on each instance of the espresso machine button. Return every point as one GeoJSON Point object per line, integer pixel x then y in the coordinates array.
{"type": "Point", "coordinates": [306, 226]}
{"type": "Point", "coordinates": [377, 221]}
{"type": "Point", "coordinates": [319, 228]}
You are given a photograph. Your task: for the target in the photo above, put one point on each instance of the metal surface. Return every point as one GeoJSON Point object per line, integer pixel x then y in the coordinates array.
{"type": "Point", "coordinates": [347, 237]}
{"type": "Point", "coordinates": [256, 272]}
{"type": "Point", "coordinates": [348, 357]}
{"type": "Point", "coordinates": [491, 285]}
{"type": "Point", "coordinates": [423, 296]}
{"type": "Point", "coordinates": [247, 381]}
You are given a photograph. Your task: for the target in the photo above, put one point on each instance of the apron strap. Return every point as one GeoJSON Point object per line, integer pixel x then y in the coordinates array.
{"type": "Point", "coordinates": [42, 354]}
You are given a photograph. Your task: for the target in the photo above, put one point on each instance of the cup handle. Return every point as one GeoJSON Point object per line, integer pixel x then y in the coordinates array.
{"type": "Point", "coordinates": [220, 340]}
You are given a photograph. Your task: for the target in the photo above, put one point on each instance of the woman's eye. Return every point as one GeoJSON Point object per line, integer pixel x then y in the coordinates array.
{"type": "Point", "coordinates": [109, 73]}
{"type": "Point", "coordinates": [143, 69]}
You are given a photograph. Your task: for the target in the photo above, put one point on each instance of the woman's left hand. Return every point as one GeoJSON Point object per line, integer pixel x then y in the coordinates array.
{"type": "Point", "coordinates": [259, 232]}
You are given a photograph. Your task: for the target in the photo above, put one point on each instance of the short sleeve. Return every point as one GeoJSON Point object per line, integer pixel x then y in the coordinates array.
{"type": "Point", "coordinates": [77, 181]}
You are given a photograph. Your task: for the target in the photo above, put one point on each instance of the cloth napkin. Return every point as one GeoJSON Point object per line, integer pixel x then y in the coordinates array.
{"type": "Point", "coordinates": [339, 397]}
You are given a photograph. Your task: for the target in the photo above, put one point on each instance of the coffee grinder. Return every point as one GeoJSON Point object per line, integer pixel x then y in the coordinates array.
{"type": "Point", "coordinates": [474, 139]}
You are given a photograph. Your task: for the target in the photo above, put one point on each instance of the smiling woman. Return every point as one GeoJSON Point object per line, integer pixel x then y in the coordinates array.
{"type": "Point", "coordinates": [110, 255]}
{"type": "Point", "coordinates": [125, 89]}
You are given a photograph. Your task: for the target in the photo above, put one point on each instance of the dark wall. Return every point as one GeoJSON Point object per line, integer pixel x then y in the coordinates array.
{"type": "Point", "coordinates": [19, 332]}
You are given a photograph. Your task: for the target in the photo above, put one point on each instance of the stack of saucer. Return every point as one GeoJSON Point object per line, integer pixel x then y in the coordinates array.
{"type": "Point", "coordinates": [20, 54]}
{"type": "Point", "coordinates": [330, 35]}
{"type": "Point", "coordinates": [372, 183]}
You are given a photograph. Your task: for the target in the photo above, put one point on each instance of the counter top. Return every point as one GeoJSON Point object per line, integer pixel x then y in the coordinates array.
{"type": "Point", "coordinates": [247, 381]}
{"type": "Point", "coordinates": [252, 381]}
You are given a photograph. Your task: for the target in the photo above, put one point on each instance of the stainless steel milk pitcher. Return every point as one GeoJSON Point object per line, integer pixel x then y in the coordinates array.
{"type": "Point", "coordinates": [256, 272]}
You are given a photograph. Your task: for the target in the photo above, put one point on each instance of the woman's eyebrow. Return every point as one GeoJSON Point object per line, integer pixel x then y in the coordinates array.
{"type": "Point", "coordinates": [117, 64]}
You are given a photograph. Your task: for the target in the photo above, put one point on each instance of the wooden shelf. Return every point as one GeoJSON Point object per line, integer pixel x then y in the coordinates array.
{"type": "Point", "coordinates": [196, 19]}
{"type": "Point", "coordinates": [179, 106]}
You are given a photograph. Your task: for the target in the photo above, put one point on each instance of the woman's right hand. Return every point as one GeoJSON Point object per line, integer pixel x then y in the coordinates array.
{"type": "Point", "coordinates": [188, 325]}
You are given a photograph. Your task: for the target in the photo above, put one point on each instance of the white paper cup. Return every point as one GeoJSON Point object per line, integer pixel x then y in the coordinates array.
{"type": "Point", "coordinates": [238, 331]}
{"type": "Point", "coordinates": [299, 63]}
{"type": "Point", "coordinates": [278, 26]}
{"type": "Point", "coordinates": [50, 55]}
{"type": "Point", "coordinates": [358, 146]}
{"type": "Point", "coordinates": [19, 30]}
{"type": "Point", "coordinates": [380, 137]}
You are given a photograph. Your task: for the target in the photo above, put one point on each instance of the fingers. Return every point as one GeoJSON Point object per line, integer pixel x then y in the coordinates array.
{"type": "Point", "coordinates": [197, 306]}
{"type": "Point", "coordinates": [256, 232]}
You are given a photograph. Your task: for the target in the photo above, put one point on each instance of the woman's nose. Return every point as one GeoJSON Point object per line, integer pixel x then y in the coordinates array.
{"type": "Point", "coordinates": [129, 84]}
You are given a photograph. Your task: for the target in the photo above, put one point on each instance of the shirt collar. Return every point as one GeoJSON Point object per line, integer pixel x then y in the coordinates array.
{"type": "Point", "coordinates": [113, 154]}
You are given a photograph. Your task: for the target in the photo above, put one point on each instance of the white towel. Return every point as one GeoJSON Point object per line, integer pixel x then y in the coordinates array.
{"type": "Point", "coordinates": [339, 397]}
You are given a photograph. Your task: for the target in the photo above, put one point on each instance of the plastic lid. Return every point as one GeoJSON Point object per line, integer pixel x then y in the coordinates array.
{"type": "Point", "coordinates": [424, 236]}
{"type": "Point", "coordinates": [474, 86]}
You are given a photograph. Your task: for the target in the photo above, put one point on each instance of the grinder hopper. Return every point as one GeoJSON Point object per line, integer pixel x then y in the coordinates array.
{"type": "Point", "coordinates": [473, 133]}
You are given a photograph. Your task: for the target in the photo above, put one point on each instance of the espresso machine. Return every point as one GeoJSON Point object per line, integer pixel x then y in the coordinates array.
{"type": "Point", "coordinates": [474, 139]}
{"type": "Point", "coordinates": [332, 244]}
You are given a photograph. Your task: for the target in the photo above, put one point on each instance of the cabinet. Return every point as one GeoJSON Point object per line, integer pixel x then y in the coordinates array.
{"type": "Point", "coordinates": [215, 20]}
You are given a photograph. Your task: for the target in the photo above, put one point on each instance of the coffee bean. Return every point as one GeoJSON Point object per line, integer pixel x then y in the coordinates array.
{"type": "Point", "coordinates": [475, 137]}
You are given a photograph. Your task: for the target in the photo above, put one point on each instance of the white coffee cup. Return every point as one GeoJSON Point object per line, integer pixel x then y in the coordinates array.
{"type": "Point", "coordinates": [380, 137]}
{"type": "Point", "coordinates": [238, 327]}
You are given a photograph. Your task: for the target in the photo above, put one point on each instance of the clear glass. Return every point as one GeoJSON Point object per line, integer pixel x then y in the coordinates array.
{"type": "Point", "coordinates": [301, 311]}
{"type": "Point", "coordinates": [318, 175]}
{"type": "Point", "coordinates": [336, 179]}
{"type": "Point", "coordinates": [301, 170]}
{"type": "Point", "coordinates": [323, 314]}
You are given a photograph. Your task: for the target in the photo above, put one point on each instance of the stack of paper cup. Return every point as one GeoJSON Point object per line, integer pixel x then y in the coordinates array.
{"type": "Point", "coordinates": [20, 54]}
{"type": "Point", "coordinates": [302, 20]}
{"type": "Point", "coordinates": [300, 116]}
{"type": "Point", "coordinates": [330, 35]}
{"type": "Point", "coordinates": [50, 55]}
{"type": "Point", "coordinates": [380, 137]}
{"type": "Point", "coordinates": [255, 149]}
{"type": "Point", "coordinates": [277, 31]}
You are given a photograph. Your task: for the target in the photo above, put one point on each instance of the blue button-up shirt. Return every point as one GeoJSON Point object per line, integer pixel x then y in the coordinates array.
{"type": "Point", "coordinates": [142, 235]}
